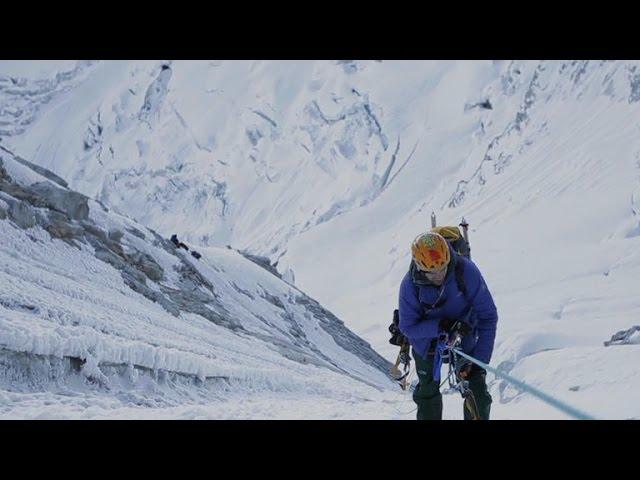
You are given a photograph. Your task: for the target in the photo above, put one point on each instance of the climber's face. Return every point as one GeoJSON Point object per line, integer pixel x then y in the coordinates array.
{"type": "Point", "coordinates": [436, 276]}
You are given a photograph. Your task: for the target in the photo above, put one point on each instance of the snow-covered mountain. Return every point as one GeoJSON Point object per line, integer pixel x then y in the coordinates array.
{"type": "Point", "coordinates": [101, 316]}
{"type": "Point", "coordinates": [330, 169]}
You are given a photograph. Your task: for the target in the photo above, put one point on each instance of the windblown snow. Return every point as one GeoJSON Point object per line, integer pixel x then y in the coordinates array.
{"type": "Point", "coordinates": [322, 172]}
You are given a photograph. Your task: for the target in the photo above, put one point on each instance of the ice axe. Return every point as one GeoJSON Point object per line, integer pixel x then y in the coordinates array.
{"type": "Point", "coordinates": [465, 233]}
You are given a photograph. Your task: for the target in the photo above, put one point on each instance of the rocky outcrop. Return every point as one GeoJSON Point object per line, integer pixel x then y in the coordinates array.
{"type": "Point", "coordinates": [37, 168]}
{"type": "Point", "coordinates": [64, 214]}
{"type": "Point", "coordinates": [342, 335]}
{"type": "Point", "coordinates": [262, 262]}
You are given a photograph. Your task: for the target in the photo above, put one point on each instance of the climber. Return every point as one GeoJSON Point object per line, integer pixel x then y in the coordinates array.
{"type": "Point", "coordinates": [444, 293]}
{"type": "Point", "coordinates": [177, 243]}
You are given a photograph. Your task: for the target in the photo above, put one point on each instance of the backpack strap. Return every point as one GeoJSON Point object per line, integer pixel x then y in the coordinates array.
{"type": "Point", "coordinates": [459, 273]}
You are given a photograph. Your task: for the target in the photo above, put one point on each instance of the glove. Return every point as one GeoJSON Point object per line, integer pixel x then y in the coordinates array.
{"type": "Point", "coordinates": [451, 325]}
{"type": "Point", "coordinates": [465, 369]}
{"type": "Point", "coordinates": [446, 324]}
{"type": "Point", "coordinates": [397, 338]}
{"type": "Point", "coordinates": [470, 370]}
{"type": "Point", "coordinates": [462, 328]}
{"type": "Point", "coordinates": [393, 328]}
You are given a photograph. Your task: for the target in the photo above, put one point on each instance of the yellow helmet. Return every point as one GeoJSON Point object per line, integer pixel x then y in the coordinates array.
{"type": "Point", "coordinates": [430, 251]}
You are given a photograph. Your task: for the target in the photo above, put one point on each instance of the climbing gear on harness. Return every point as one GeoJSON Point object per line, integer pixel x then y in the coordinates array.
{"type": "Point", "coordinates": [404, 359]}
{"type": "Point", "coordinates": [430, 251]}
{"type": "Point", "coordinates": [446, 323]}
{"type": "Point", "coordinates": [461, 328]}
{"type": "Point", "coordinates": [453, 326]}
{"type": "Point", "coordinates": [398, 339]}
{"type": "Point", "coordinates": [442, 355]}
{"type": "Point", "coordinates": [456, 376]}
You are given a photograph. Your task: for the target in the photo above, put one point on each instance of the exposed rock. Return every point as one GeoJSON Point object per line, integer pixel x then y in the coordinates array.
{"type": "Point", "coordinates": [624, 337]}
{"type": "Point", "coordinates": [47, 195]}
{"type": "Point", "coordinates": [100, 242]}
{"type": "Point", "coordinates": [58, 225]}
{"type": "Point", "coordinates": [137, 283]}
{"type": "Point", "coordinates": [65, 215]}
{"type": "Point", "coordinates": [276, 301]}
{"type": "Point", "coordinates": [262, 262]}
{"type": "Point", "coordinates": [42, 171]}
{"type": "Point", "coordinates": [22, 214]}
{"type": "Point", "coordinates": [192, 279]}
{"type": "Point", "coordinates": [199, 303]}
{"type": "Point", "coordinates": [297, 354]}
{"type": "Point", "coordinates": [342, 335]}
{"type": "Point", "coordinates": [111, 258]}
{"type": "Point", "coordinates": [95, 231]}
{"type": "Point", "coordinates": [3, 172]}
{"type": "Point", "coordinates": [116, 235]}
{"type": "Point", "coordinates": [4, 209]}
{"type": "Point", "coordinates": [146, 263]}
{"type": "Point", "coordinates": [72, 203]}
{"type": "Point", "coordinates": [242, 291]}
{"type": "Point", "coordinates": [196, 295]}
{"type": "Point", "coordinates": [137, 233]}
{"type": "Point", "coordinates": [135, 279]}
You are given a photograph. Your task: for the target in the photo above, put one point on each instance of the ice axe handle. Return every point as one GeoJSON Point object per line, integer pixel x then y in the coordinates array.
{"type": "Point", "coordinates": [465, 234]}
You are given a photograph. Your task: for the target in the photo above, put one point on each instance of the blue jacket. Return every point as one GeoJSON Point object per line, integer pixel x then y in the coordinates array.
{"type": "Point", "coordinates": [419, 319]}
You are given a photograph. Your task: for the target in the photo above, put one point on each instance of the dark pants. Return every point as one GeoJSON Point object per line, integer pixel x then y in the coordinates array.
{"type": "Point", "coordinates": [429, 400]}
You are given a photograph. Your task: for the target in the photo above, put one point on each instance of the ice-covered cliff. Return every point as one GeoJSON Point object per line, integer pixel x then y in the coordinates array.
{"type": "Point", "coordinates": [95, 305]}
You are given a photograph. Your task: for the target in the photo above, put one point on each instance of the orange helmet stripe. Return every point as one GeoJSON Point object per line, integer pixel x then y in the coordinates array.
{"type": "Point", "coordinates": [430, 251]}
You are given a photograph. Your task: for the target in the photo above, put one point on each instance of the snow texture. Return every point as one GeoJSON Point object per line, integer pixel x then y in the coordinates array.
{"type": "Point", "coordinates": [93, 304]}
{"type": "Point", "coordinates": [323, 172]}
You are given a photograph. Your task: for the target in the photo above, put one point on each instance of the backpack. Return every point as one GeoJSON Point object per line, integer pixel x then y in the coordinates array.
{"type": "Point", "coordinates": [459, 243]}
{"type": "Point", "coordinates": [452, 234]}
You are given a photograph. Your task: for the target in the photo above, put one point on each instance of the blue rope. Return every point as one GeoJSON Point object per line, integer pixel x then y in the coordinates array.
{"type": "Point", "coordinates": [574, 412]}
{"type": "Point", "coordinates": [442, 350]}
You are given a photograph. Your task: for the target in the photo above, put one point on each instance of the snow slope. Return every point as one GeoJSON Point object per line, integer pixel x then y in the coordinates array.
{"type": "Point", "coordinates": [233, 152]}
{"type": "Point", "coordinates": [549, 180]}
{"type": "Point", "coordinates": [330, 169]}
{"type": "Point", "coordinates": [99, 314]}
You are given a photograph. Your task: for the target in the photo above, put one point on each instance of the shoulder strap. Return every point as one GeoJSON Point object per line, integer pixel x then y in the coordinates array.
{"type": "Point", "coordinates": [459, 273]}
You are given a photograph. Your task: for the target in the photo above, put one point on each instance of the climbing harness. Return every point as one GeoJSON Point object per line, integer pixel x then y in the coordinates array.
{"type": "Point", "coordinates": [454, 378]}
